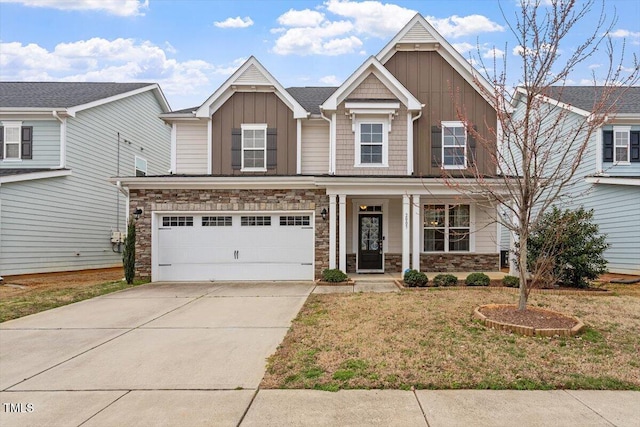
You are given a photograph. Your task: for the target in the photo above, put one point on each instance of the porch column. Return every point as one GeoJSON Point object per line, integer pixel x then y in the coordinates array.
{"type": "Point", "coordinates": [406, 234]}
{"type": "Point", "coordinates": [332, 231]}
{"type": "Point", "coordinates": [416, 228]}
{"type": "Point", "coordinates": [342, 253]}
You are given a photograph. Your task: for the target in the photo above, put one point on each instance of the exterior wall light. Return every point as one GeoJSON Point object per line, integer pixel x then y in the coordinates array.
{"type": "Point", "coordinates": [137, 213]}
{"type": "Point", "coordinates": [324, 214]}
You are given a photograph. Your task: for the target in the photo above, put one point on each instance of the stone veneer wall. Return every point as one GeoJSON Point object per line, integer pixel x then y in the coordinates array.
{"type": "Point", "coordinates": [230, 201]}
{"type": "Point", "coordinates": [392, 263]}
{"type": "Point", "coordinates": [459, 262]}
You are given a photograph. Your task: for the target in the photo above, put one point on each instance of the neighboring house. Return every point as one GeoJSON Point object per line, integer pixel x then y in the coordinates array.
{"type": "Point", "coordinates": [608, 179]}
{"type": "Point", "coordinates": [59, 145]}
{"type": "Point", "coordinates": [278, 184]}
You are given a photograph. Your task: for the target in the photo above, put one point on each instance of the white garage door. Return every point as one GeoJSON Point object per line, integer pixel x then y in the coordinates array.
{"type": "Point", "coordinates": [251, 246]}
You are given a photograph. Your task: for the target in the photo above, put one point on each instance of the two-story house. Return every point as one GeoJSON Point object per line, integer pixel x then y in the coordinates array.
{"type": "Point", "coordinates": [59, 144]}
{"type": "Point", "coordinates": [608, 177]}
{"type": "Point", "coordinates": [271, 183]}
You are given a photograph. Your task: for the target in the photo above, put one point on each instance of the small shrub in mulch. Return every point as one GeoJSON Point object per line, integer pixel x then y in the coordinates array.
{"type": "Point", "coordinates": [334, 275]}
{"type": "Point", "coordinates": [415, 278]}
{"type": "Point", "coordinates": [511, 281]}
{"type": "Point", "coordinates": [445, 280]}
{"type": "Point", "coordinates": [477, 279]}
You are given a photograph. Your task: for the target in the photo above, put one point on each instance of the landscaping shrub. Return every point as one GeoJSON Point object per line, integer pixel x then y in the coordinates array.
{"type": "Point", "coordinates": [333, 275]}
{"type": "Point", "coordinates": [413, 278]}
{"type": "Point", "coordinates": [511, 281]}
{"type": "Point", "coordinates": [477, 279]}
{"type": "Point", "coordinates": [445, 280]}
{"type": "Point", "coordinates": [571, 241]}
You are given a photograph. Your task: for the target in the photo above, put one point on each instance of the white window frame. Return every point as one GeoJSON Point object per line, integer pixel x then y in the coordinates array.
{"type": "Point", "coordinates": [7, 126]}
{"type": "Point", "coordinates": [385, 142]}
{"type": "Point", "coordinates": [448, 227]}
{"type": "Point", "coordinates": [626, 131]}
{"type": "Point", "coordinates": [136, 168]}
{"type": "Point", "coordinates": [455, 124]}
{"type": "Point", "coordinates": [260, 126]}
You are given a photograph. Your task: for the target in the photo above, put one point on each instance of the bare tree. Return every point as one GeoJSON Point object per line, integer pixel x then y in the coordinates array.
{"type": "Point", "coordinates": [540, 146]}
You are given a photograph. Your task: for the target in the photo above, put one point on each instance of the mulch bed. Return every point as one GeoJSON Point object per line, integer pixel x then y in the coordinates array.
{"type": "Point", "coordinates": [531, 317]}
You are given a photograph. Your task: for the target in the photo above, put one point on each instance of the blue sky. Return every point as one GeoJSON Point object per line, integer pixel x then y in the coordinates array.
{"type": "Point", "coordinates": [190, 47]}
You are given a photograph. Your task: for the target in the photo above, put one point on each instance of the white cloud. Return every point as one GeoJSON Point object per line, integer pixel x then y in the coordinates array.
{"type": "Point", "coordinates": [372, 17]}
{"type": "Point", "coordinates": [493, 52]}
{"type": "Point", "coordinates": [114, 7]}
{"type": "Point", "coordinates": [236, 22]}
{"type": "Point", "coordinates": [301, 18]}
{"type": "Point", "coordinates": [459, 26]}
{"type": "Point", "coordinates": [320, 40]}
{"type": "Point", "coordinates": [521, 51]}
{"type": "Point", "coordinates": [330, 80]}
{"type": "Point", "coordinates": [120, 60]}
{"type": "Point", "coordinates": [631, 35]}
{"type": "Point", "coordinates": [594, 66]}
{"type": "Point", "coordinates": [463, 47]}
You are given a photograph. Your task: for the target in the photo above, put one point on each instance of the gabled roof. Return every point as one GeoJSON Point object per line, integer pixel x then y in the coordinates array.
{"type": "Point", "coordinates": [311, 97]}
{"type": "Point", "coordinates": [626, 99]}
{"type": "Point", "coordinates": [71, 96]}
{"type": "Point", "coordinates": [254, 76]}
{"type": "Point", "coordinates": [371, 66]}
{"type": "Point", "coordinates": [419, 34]}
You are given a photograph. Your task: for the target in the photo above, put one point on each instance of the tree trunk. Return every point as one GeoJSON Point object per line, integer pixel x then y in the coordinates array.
{"type": "Point", "coordinates": [522, 271]}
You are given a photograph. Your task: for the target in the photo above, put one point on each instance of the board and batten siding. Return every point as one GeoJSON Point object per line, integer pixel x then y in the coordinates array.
{"type": "Point", "coordinates": [315, 147]}
{"type": "Point", "coordinates": [65, 223]}
{"type": "Point", "coordinates": [435, 83]}
{"type": "Point", "coordinates": [45, 145]}
{"type": "Point", "coordinates": [191, 148]}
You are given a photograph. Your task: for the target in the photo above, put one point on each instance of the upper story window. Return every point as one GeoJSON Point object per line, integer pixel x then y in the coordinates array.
{"type": "Point", "coordinates": [621, 144]}
{"type": "Point", "coordinates": [454, 145]}
{"type": "Point", "coordinates": [254, 147]}
{"type": "Point", "coordinates": [447, 228]}
{"type": "Point", "coordinates": [371, 143]}
{"type": "Point", "coordinates": [15, 141]}
{"type": "Point", "coordinates": [141, 166]}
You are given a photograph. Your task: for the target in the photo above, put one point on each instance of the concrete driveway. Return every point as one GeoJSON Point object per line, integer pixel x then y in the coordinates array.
{"type": "Point", "coordinates": [171, 354]}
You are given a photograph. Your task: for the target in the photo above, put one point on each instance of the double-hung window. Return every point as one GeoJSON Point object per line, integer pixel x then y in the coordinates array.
{"type": "Point", "coordinates": [141, 166]}
{"type": "Point", "coordinates": [254, 147]}
{"type": "Point", "coordinates": [454, 145]}
{"type": "Point", "coordinates": [371, 140]}
{"type": "Point", "coordinates": [12, 141]}
{"type": "Point", "coordinates": [621, 144]}
{"type": "Point", "coordinates": [447, 228]}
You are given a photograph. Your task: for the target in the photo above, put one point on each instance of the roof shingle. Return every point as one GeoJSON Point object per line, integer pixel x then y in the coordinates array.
{"type": "Point", "coordinates": [584, 97]}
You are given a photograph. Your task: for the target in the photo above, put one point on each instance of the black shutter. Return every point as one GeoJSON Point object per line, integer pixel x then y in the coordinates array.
{"type": "Point", "coordinates": [436, 146]}
{"type": "Point", "coordinates": [272, 142]}
{"type": "Point", "coordinates": [472, 147]}
{"type": "Point", "coordinates": [635, 146]}
{"type": "Point", "coordinates": [236, 149]}
{"type": "Point", "coordinates": [607, 146]}
{"type": "Point", "coordinates": [26, 140]}
{"type": "Point", "coordinates": [1, 142]}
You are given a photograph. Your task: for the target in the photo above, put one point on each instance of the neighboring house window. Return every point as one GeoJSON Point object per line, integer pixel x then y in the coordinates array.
{"type": "Point", "coordinates": [371, 141]}
{"type": "Point", "coordinates": [141, 166]}
{"type": "Point", "coordinates": [254, 147]}
{"type": "Point", "coordinates": [447, 228]}
{"type": "Point", "coordinates": [454, 145]}
{"type": "Point", "coordinates": [621, 144]}
{"type": "Point", "coordinates": [15, 141]}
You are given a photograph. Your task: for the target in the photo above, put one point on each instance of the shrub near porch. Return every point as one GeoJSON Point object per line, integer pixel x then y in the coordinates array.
{"type": "Point", "coordinates": [427, 339]}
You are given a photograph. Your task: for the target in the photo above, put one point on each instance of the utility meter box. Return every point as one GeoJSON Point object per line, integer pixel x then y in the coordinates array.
{"type": "Point", "coordinates": [117, 237]}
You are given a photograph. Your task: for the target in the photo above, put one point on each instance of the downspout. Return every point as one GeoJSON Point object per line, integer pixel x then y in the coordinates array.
{"type": "Point", "coordinates": [413, 120]}
{"type": "Point", "coordinates": [331, 171]}
{"type": "Point", "coordinates": [63, 139]}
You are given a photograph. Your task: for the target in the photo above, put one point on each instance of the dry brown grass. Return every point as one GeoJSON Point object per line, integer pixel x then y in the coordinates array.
{"type": "Point", "coordinates": [428, 339]}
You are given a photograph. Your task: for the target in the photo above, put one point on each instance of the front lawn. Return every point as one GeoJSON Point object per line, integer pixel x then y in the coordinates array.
{"type": "Point", "coordinates": [427, 339]}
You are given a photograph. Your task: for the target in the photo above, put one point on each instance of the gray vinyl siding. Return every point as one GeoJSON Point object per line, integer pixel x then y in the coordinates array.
{"type": "Point", "coordinates": [65, 223]}
{"type": "Point", "coordinates": [191, 148]}
{"type": "Point", "coordinates": [46, 146]}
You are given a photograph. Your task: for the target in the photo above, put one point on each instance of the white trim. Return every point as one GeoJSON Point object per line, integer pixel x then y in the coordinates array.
{"type": "Point", "coordinates": [612, 180]}
{"type": "Point", "coordinates": [34, 175]}
{"type": "Point", "coordinates": [447, 228]}
{"type": "Point", "coordinates": [209, 146]}
{"type": "Point", "coordinates": [358, 143]}
{"type": "Point", "coordinates": [332, 231]}
{"type": "Point", "coordinates": [551, 101]}
{"type": "Point", "coordinates": [406, 232]}
{"type": "Point", "coordinates": [253, 126]}
{"type": "Point", "coordinates": [158, 93]}
{"type": "Point", "coordinates": [454, 124]}
{"type": "Point", "coordinates": [12, 125]}
{"type": "Point", "coordinates": [355, 231]}
{"type": "Point", "coordinates": [229, 87]}
{"type": "Point", "coordinates": [342, 230]}
{"type": "Point", "coordinates": [174, 149]}
{"type": "Point", "coordinates": [372, 66]}
{"type": "Point", "coordinates": [416, 224]}
{"type": "Point", "coordinates": [599, 167]}
{"type": "Point", "coordinates": [622, 130]}
{"type": "Point", "coordinates": [332, 166]}
{"type": "Point", "coordinates": [298, 146]}
{"type": "Point", "coordinates": [409, 144]}
{"type": "Point", "coordinates": [386, 107]}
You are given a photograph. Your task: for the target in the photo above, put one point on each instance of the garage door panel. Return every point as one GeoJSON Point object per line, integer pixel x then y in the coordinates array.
{"type": "Point", "coordinates": [253, 251]}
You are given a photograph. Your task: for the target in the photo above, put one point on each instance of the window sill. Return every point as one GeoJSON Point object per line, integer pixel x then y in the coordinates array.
{"type": "Point", "coordinates": [621, 163]}
{"type": "Point", "coordinates": [11, 160]}
{"type": "Point", "coordinates": [253, 170]}
{"type": "Point", "coordinates": [454, 167]}
{"type": "Point", "coordinates": [371, 165]}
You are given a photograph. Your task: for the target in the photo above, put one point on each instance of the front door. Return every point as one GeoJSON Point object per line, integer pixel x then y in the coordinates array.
{"type": "Point", "coordinates": [370, 242]}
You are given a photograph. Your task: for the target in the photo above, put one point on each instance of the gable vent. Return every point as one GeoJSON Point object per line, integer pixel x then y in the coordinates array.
{"type": "Point", "coordinates": [252, 76]}
{"type": "Point", "coordinates": [417, 34]}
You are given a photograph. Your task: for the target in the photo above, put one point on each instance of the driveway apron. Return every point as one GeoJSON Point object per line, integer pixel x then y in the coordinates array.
{"type": "Point", "coordinates": [158, 354]}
